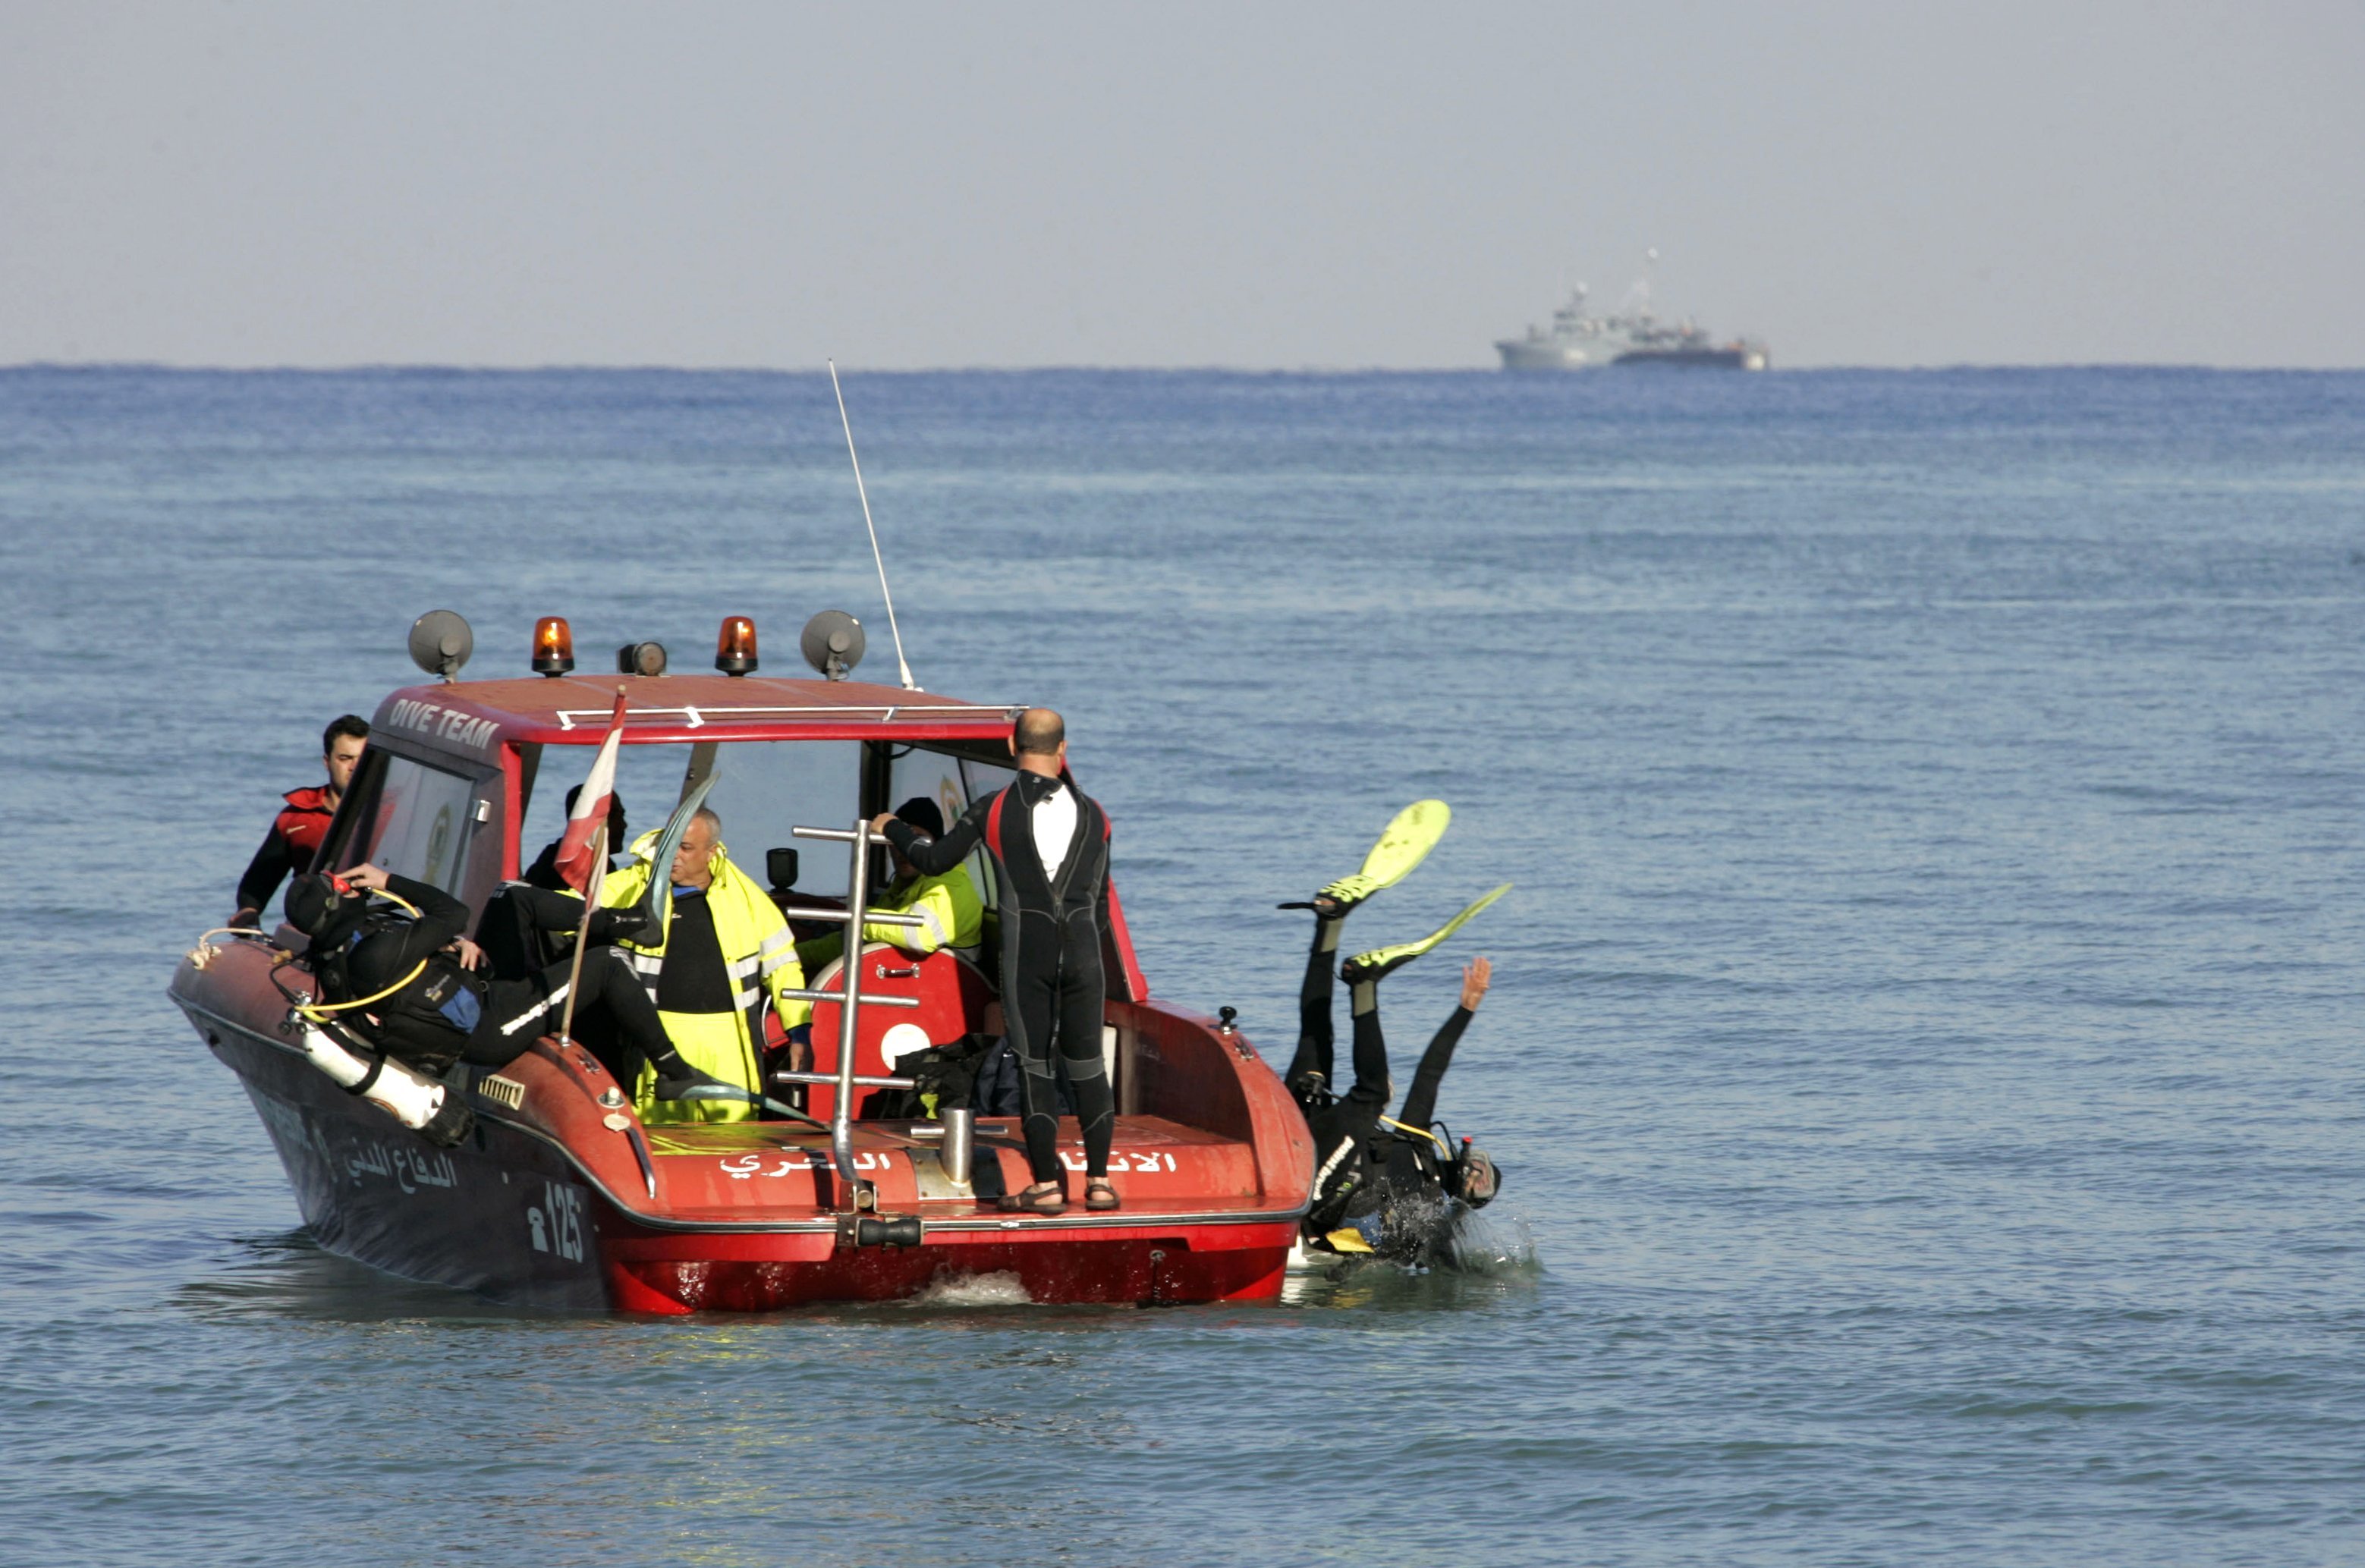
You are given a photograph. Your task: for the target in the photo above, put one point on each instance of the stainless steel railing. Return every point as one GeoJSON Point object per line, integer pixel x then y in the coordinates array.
{"type": "Point", "coordinates": [855, 1193]}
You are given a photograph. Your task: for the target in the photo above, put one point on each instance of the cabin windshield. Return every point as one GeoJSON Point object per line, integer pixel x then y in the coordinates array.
{"type": "Point", "coordinates": [764, 789]}
{"type": "Point", "coordinates": [423, 819]}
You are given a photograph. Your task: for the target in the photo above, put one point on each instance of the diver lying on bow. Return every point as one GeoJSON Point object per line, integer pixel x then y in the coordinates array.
{"type": "Point", "coordinates": [1383, 1184]}
{"type": "Point", "coordinates": [417, 984]}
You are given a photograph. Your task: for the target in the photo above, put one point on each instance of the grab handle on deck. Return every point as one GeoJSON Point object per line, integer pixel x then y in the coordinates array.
{"type": "Point", "coordinates": [861, 1080]}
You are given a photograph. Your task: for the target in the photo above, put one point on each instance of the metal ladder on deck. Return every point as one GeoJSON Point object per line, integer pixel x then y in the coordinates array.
{"type": "Point", "coordinates": [854, 1194]}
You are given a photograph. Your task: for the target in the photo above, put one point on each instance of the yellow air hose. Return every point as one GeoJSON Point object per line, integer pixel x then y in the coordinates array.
{"type": "Point", "coordinates": [1418, 1132]}
{"type": "Point", "coordinates": [318, 1012]}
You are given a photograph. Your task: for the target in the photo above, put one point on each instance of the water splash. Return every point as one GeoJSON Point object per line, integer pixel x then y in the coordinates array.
{"type": "Point", "coordinates": [1002, 1289]}
{"type": "Point", "coordinates": [1494, 1241]}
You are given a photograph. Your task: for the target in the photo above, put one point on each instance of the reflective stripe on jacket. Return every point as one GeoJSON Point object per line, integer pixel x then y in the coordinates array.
{"type": "Point", "coordinates": [951, 915]}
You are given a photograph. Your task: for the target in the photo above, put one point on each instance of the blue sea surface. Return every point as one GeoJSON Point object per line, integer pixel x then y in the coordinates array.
{"type": "Point", "coordinates": [1924, 1048]}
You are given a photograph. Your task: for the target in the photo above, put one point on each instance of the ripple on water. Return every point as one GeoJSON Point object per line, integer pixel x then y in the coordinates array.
{"type": "Point", "coordinates": [1919, 1044]}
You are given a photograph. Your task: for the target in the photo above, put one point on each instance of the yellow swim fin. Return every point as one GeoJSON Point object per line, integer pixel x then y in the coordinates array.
{"type": "Point", "coordinates": [1379, 961]}
{"type": "Point", "coordinates": [1404, 844]}
{"type": "Point", "coordinates": [1347, 1239]}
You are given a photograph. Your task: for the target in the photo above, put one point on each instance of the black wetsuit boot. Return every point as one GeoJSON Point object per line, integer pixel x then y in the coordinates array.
{"type": "Point", "coordinates": [1315, 1035]}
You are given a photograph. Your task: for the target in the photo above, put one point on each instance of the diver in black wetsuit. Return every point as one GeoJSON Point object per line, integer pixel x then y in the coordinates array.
{"type": "Point", "coordinates": [544, 872]}
{"type": "Point", "coordinates": [1379, 1188]}
{"type": "Point", "coordinates": [445, 1011]}
{"type": "Point", "coordinates": [1050, 842]}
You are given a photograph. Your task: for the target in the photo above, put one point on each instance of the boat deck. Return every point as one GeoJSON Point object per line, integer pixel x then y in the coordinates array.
{"type": "Point", "coordinates": [726, 1173]}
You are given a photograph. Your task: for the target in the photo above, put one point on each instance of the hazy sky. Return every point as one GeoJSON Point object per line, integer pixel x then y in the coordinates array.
{"type": "Point", "coordinates": [1260, 185]}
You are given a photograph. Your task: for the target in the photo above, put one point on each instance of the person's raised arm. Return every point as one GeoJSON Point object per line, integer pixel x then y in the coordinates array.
{"type": "Point", "coordinates": [442, 918]}
{"type": "Point", "coordinates": [1420, 1102]}
{"type": "Point", "coordinates": [935, 857]}
{"type": "Point", "coordinates": [548, 910]}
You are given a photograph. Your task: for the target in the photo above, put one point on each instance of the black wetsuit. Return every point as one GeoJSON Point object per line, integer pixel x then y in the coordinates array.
{"type": "Point", "coordinates": [1052, 932]}
{"type": "Point", "coordinates": [451, 1013]}
{"type": "Point", "coordinates": [1361, 1169]}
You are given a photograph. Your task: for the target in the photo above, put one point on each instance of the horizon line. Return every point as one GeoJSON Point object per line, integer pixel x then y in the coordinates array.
{"type": "Point", "coordinates": [577, 367]}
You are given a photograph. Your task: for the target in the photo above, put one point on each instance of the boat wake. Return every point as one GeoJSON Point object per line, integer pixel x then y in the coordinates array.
{"type": "Point", "coordinates": [973, 1290]}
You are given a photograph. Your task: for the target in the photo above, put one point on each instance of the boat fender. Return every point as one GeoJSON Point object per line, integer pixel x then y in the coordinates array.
{"type": "Point", "coordinates": [424, 1105]}
{"type": "Point", "coordinates": [903, 1230]}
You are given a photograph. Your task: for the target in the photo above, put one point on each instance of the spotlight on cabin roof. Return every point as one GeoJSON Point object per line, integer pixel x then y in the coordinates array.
{"type": "Point", "coordinates": [734, 647]}
{"type": "Point", "coordinates": [440, 642]}
{"type": "Point", "coordinates": [832, 644]}
{"type": "Point", "coordinates": [554, 646]}
{"type": "Point", "coordinates": [641, 659]}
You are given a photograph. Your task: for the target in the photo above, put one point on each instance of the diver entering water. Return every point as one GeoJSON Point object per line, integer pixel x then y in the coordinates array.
{"type": "Point", "coordinates": [1049, 844]}
{"type": "Point", "coordinates": [415, 982]}
{"type": "Point", "coordinates": [1383, 1184]}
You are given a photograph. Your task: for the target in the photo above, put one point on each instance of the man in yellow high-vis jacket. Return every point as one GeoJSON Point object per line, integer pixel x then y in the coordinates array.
{"type": "Point", "coordinates": [723, 951]}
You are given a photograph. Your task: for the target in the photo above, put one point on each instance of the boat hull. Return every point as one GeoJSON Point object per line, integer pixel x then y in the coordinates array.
{"type": "Point", "coordinates": [1520, 355]}
{"type": "Point", "coordinates": [543, 1206]}
{"type": "Point", "coordinates": [1697, 359]}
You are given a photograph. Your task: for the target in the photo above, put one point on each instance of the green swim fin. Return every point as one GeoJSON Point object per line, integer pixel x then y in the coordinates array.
{"type": "Point", "coordinates": [1404, 844]}
{"type": "Point", "coordinates": [1379, 961]}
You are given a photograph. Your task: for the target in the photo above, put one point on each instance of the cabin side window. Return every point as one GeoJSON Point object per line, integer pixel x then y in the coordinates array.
{"type": "Point", "coordinates": [953, 783]}
{"type": "Point", "coordinates": [423, 816]}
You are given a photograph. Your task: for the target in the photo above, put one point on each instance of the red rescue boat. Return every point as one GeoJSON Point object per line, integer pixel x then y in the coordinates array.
{"type": "Point", "coordinates": [560, 1195]}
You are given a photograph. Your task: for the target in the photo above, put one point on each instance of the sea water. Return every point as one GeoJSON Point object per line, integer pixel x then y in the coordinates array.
{"type": "Point", "coordinates": [1924, 1050]}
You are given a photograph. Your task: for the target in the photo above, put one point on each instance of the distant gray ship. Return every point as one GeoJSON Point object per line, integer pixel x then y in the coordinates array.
{"type": "Point", "coordinates": [1629, 335]}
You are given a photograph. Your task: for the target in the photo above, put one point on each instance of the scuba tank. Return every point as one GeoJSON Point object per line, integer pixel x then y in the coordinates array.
{"type": "Point", "coordinates": [345, 1047]}
{"type": "Point", "coordinates": [425, 1105]}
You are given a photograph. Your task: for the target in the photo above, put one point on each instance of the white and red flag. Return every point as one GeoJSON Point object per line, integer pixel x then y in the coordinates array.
{"type": "Point", "coordinates": [591, 814]}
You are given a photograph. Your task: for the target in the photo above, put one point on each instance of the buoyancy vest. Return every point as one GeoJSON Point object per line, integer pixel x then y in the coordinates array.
{"type": "Point", "coordinates": [305, 822]}
{"type": "Point", "coordinates": [425, 1023]}
{"type": "Point", "coordinates": [759, 953]}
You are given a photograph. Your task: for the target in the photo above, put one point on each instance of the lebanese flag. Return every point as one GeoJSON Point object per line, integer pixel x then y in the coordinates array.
{"type": "Point", "coordinates": [590, 814]}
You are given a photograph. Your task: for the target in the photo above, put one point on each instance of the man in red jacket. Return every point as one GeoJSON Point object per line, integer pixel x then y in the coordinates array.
{"type": "Point", "coordinates": [297, 832]}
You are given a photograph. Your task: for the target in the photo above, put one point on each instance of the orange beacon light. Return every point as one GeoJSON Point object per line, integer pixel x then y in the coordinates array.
{"type": "Point", "coordinates": [734, 647]}
{"type": "Point", "coordinates": [554, 646]}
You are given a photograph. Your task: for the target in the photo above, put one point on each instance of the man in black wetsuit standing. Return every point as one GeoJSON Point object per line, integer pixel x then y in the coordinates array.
{"type": "Point", "coordinates": [1049, 844]}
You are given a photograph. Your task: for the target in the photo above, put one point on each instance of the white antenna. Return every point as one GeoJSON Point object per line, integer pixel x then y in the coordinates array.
{"type": "Point", "coordinates": [893, 631]}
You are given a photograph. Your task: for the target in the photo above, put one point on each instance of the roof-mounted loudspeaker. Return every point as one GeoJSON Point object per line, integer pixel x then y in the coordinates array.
{"type": "Point", "coordinates": [833, 643]}
{"type": "Point", "coordinates": [440, 642]}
